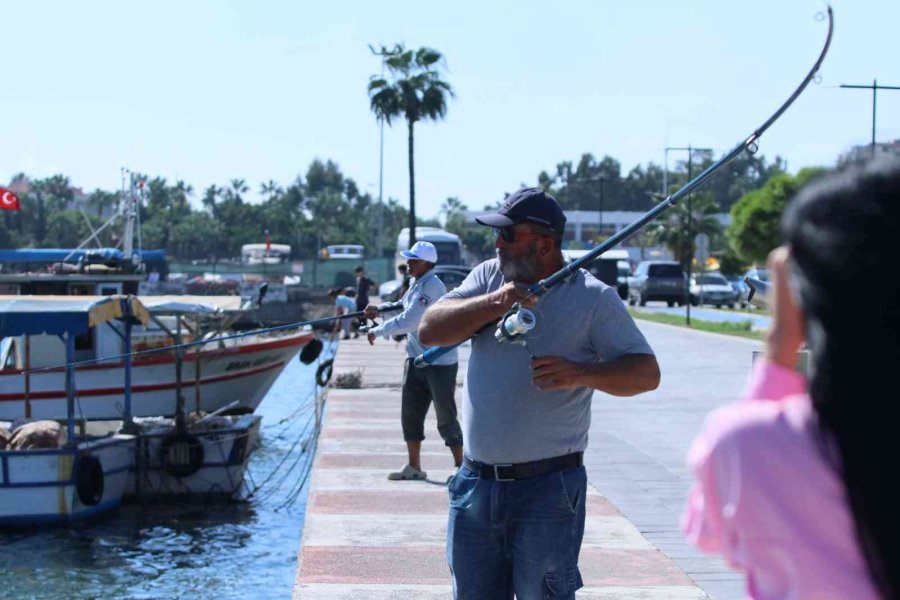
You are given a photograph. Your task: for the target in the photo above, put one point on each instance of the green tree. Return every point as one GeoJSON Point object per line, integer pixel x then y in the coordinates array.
{"type": "Point", "coordinates": [756, 217]}
{"type": "Point", "coordinates": [477, 240]}
{"type": "Point", "coordinates": [415, 92]}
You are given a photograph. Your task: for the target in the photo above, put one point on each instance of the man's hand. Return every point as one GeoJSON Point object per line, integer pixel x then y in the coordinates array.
{"type": "Point", "coordinates": [371, 337]}
{"type": "Point", "coordinates": [556, 373]}
{"type": "Point", "coordinates": [512, 293]}
{"type": "Point", "coordinates": [371, 311]}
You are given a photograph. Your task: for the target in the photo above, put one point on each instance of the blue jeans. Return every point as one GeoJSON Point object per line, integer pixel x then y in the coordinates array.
{"type": "Point", "coordinates": [516, 537]}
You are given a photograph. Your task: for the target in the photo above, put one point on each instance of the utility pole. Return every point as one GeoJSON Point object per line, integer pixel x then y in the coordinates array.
{"type": "Point", "coordinates": [874, 87]}
{"type": "Point", "coordinates": [690, 232]}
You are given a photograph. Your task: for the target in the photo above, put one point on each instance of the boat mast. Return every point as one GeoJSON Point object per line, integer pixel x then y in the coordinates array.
{"type": "Point", "coordinates": [128, 238]}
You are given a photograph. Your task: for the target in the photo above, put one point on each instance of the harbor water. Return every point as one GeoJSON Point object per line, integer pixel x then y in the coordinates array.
{"type": "Point", "coordinates": [190, 549]}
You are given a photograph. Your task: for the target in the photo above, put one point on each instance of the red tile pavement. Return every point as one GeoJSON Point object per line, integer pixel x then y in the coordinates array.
{"type": "Point", "coordinates": [361, 530]}
{"type": "Point", "coordinates": [363, 502]}
{"type": "Point", "coordinates": [428, 565]}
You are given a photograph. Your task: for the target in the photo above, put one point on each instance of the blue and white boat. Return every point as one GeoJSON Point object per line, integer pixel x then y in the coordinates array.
{"type": "Point", "coordinates": [84, 475]}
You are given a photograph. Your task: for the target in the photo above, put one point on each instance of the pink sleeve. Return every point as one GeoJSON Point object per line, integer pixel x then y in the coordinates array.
{"type": "Point", "coordinates": [709, 516]}
{"type": "Point", "coordinates": [771, 381]}
{"type": "Point", "coordinates": [702, 519]}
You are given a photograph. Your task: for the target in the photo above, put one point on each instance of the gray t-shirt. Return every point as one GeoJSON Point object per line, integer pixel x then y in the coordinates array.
{"type": "Point", "coordinates": [506, 419]}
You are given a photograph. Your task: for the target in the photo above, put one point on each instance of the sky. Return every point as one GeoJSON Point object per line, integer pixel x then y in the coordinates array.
{"type": "Point", "coordinates": [210, 90]}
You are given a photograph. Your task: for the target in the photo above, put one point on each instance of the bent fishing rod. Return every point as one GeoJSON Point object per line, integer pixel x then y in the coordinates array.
{"type": "Point", "coordinates": [519, 320]}
{"type": "Point", "coordinates": [211, 340]}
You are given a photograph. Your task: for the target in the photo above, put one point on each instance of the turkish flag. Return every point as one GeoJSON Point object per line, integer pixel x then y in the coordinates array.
{"type": "Point", "coordinates": [8, 200]}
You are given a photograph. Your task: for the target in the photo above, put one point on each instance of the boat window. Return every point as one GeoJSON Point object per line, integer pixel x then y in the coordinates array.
{"type": "Point", "coordinates": [7, 355]}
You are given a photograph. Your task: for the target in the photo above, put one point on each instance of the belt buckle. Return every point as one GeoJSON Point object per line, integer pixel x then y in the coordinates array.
{"type": "Point", "coordinates": [497, 473]}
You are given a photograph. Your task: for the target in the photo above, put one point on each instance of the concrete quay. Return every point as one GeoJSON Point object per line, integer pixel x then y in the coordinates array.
{"type": "Point", "coordinates": [367, 537]}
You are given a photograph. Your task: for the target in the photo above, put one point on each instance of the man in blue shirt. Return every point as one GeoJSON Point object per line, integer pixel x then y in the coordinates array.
{"type": "Point", "coordinates": [343, 305]}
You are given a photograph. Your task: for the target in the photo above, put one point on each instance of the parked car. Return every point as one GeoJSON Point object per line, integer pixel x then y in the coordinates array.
{"type": "Point", "coordinates": [743, 290]}
{"type": "Point", "coordinates": [624, 272]}
{"type": "Point", "coordinates": [657, 280]}
{"type": "Point", "coordinates": [452, 275]}
{"type": "Point", "coordinates": [713, 288]}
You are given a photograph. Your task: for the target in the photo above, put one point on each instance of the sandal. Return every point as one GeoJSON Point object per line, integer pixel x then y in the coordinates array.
{"type": "Point", "coordinates": [408, 473]}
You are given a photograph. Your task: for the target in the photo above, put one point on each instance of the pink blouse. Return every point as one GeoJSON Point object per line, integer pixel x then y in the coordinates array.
{"type": "Point", "coordinates": [766, 498]}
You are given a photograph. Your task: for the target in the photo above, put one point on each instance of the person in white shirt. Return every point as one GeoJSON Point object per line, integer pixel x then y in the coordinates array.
{"type": "Point", "coordinates": [421, 386]}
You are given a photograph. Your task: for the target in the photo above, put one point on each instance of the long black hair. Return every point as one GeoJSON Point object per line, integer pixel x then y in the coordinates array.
{"type": "Point", "coordinates": [844, 233]}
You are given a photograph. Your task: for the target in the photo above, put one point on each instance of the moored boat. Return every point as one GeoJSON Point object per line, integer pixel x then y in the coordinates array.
{"type": "Point", "coordinates": [70, 476]}
{"type": "Point", "coordinates": [220, 372]}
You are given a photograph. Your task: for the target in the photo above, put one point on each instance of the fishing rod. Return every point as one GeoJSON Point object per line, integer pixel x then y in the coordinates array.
{"type": "Point", "coordinates": [519, 320]}
{"type": "Point", "coordinates": [212, 340]}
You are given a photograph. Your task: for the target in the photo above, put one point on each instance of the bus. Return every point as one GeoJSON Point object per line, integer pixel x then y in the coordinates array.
{"type": "Point", "coordinates": [449, 246]}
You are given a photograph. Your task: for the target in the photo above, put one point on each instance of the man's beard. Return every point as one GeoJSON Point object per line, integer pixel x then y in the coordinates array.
{"type": "Point", "coordinates": [522, 268]}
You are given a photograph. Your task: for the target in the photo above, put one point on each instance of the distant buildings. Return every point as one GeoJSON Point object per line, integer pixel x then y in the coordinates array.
{"type": "Point", "coordinates": [859, 154]}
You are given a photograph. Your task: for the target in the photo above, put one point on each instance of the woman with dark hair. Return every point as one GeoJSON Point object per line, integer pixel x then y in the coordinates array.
{"type": "Point", "coordinates": [794, 482]}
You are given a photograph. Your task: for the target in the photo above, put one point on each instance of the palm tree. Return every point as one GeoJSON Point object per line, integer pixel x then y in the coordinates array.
{"type": "Point", "coordinates": [270, 189]}
{"type": "Point", "coordinates": [672, 231]}
{"type": "Point", "coordinates": [416, 92]}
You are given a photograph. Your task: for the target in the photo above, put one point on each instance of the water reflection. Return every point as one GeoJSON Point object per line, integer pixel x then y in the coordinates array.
{"type": "Point", "coordinates": [222, 550]}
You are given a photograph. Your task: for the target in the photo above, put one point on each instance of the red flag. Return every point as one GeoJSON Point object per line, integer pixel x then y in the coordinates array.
{"type": "Point", "coordinates": [8, 200]}
{"type": "Point", "coordinates": [268, 242]}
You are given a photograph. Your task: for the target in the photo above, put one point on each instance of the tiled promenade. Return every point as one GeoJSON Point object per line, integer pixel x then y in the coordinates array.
{"type": "Point", "coordinates": [367, 537]}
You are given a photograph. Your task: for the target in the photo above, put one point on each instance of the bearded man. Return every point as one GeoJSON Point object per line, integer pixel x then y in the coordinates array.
{"type": "Point", "coordinates": [517, 505]}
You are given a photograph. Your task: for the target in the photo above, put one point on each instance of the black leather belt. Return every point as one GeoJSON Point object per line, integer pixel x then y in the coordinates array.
{"type": "Point", "coordinates": [523, 470]}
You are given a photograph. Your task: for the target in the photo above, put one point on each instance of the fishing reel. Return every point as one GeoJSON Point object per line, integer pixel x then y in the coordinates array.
{"type": "Point", "coordinates": [515, 324]}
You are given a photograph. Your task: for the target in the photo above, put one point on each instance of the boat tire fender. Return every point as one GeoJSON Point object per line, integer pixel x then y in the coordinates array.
{"type": "Point", "coordinates": [89, 481]}
{"type": "Point", "coordinates": [323, 373]}
{"type": "Point", "coordinates": [311, 351]}
{"type": "Point", "coordinates": [181, 454]}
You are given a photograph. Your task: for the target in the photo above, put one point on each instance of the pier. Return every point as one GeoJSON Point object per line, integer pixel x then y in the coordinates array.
{"type": "Point", "coordinates": [367, 537]}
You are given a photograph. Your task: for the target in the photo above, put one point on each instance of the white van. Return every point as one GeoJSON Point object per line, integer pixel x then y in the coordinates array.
{"type": "Point", "coordinates": [612, 268]}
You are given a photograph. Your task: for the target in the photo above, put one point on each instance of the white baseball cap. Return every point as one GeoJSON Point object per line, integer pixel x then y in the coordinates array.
{"type": "Point", "coordinates": [422, 251]}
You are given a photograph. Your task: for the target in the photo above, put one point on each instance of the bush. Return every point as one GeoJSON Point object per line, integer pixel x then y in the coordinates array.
{"type": "Point", "coordinates": [352, 380]}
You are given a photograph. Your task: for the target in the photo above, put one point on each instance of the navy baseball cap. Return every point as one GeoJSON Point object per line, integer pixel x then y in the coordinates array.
{"type": "Point", "coordinates": [528, 205]}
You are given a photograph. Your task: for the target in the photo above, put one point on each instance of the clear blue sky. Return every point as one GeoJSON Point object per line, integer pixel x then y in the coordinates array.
{"type": "Point", "coordinates": [207, 90]}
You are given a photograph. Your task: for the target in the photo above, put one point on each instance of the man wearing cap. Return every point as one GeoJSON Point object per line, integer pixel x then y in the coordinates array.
{"type": "Point", "coordinates": [421, 386]}
{"type": "Point", "coordinates": [517, 505]}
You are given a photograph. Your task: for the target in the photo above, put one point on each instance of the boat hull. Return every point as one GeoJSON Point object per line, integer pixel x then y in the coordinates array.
{"type": "Point", "coordinates": [218, 473]}
{"type": "Point", "coordinates": [41, 486]}
{"type": "Point", "coordinates": [241, 372]}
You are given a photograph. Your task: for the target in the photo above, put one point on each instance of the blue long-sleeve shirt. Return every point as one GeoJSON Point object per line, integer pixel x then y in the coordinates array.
{"type": "Point", "coordinates": [423, 292]}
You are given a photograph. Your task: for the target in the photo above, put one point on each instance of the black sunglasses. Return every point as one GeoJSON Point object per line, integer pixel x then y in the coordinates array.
{"type": "Point", "coordinates": [510, 235]}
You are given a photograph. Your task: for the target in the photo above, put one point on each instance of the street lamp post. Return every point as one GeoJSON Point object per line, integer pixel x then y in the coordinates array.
{"type": "Point", "coordinates": [384, 53]}
{"type": "Point", "coordinates": [690, 232]}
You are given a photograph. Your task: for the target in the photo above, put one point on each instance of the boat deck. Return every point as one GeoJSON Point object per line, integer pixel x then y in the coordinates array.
{"type": "Point", "coordinates": [367, 537]}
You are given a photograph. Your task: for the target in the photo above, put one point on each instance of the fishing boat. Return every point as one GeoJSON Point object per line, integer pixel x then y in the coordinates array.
{"type": "Point", "coordinates": [72, 476]}
{"type": "Point", "coordinates": [236, 372]}
{"type": "Point", "coordinates": [197, 453]}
